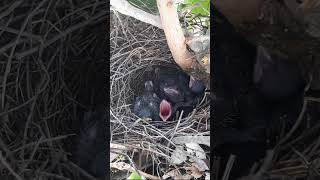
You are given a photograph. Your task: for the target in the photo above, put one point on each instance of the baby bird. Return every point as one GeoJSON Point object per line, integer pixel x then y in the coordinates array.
{"type": "Point", "coordinates": [91, 150]}
{"type": "Point", "coordinates": [172, 85]}
{"type": "Point", "coordinates": [178, 92]}
{"type": "Point", "coordinates": [148, 104]}
{"type": "Point", "coordinates": [196, 86]}
{"type": "Point", "coordinates": [275, 78]}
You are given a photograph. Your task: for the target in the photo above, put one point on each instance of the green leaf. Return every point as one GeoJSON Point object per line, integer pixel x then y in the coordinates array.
{"type": "Point", "coordinates": [135, 176]}
{"type": "Point", "coordinates": [149, 6]}
{"type": "Point", "coordinates": [198, 6]}
{"type": "Point", "coordinates": [182, 6]}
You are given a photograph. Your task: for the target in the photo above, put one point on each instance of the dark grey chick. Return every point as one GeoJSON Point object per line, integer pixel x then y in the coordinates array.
{"type": "Point", "coordinates": [172, 85]}
{"type": "Point", "coordinates": [178, 92]}
{"type": "Point", "coordinates": [276, 78]}
{"type": "Point", "coordinates": [91, 150]}
{"type": "Point", "coordinates": [148, 104]}
{"type": "Point", "coordinates": [196, 86]}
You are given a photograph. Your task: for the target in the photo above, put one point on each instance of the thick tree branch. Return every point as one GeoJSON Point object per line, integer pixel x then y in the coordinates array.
{"type": "Point", "coordinates": [177, 42]}
{"type": "Point", "coordinates": [174, 33]}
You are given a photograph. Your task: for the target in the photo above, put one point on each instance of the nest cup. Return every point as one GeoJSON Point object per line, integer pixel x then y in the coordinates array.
{"type": "Point", "coordinates": [136, 49]}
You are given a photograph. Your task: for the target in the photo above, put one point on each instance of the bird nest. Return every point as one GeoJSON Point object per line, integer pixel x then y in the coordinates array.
{"type": "Point", "coordinates": [136, 48]}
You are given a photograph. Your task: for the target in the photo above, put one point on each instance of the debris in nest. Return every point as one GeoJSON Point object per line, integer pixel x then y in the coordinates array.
{"type": "Point", "coordinates": [176, 175]}
{"type": "Point", "coordinates": [173, 173]}
{"type": "Point", "coordinates": [200, 46]}
{"type": "Point", "coordinates": [194, 154]}
{"type": "Point", "coordinates": [115, 149]}
{"type": "Point", "coordinates": [199, 163]}
{"type": "Point", "coordinates": [192, 139]}
{"type": "Point", "coordinates": [194, 172]}
{"type": "Point", "coordinates": [178, 156]}
{"type": "Point", "coordinates": [195, 150]}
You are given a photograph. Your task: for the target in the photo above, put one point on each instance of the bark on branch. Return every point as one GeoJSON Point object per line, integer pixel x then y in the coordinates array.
{"type": "Point", "coordinates": [177, 42]}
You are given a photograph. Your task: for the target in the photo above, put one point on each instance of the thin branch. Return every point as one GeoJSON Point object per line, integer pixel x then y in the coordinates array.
{"type": "Point", "coordinates": [227, 171]}
{"type": "Point", "coordinates": [124, 7]}
{"type": "Point", "coordinates": [7, 165]}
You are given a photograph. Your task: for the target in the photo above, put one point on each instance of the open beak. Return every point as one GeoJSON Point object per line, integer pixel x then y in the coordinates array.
{"type": "Point", "coordinates": [165, 110]}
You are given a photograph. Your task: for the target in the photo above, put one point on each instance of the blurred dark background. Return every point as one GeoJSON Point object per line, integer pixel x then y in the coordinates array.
{"type": "Point", "coordinates": [54, 66]}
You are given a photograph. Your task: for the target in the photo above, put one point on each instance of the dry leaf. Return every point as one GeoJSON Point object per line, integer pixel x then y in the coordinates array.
{"type": "Point", "coordinates": [121, 166]}
{"type": "Point", "coordinates": [113, 156]}
{"type": "Point", "coordinates": [200, 164]}
{"type": "Point", "coordinates": [194, 172]}
{"type": "Point", "coordinates": [192, 139]}
{"type": "Point", "coordinates": [178, 156]}
{"type": "Point", "coordinates": [183, 177]}
{"type": "Point", "coordinates": [195, 149]}
{"type": "Point", "coordinates": [173, 173]}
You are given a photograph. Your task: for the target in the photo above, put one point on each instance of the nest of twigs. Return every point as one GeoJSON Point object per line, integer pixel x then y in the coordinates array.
{"type": "Point", "coordinates": [297, 151]}
{"type": "Point", "coordinates": [137, 48]}
{"type": "Point", "coordinates": [49, 51]}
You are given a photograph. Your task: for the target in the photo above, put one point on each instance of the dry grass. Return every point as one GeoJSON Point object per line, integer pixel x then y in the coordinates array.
{"type": "Point", "coordinates": [297, 152]}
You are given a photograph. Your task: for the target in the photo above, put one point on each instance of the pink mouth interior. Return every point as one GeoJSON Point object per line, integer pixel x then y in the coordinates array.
{"type": "Point", "coordinates": [165, 110]}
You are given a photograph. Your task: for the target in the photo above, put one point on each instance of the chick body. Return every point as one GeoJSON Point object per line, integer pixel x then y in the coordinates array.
{"type": "Point", "coordinates": [148, 104]}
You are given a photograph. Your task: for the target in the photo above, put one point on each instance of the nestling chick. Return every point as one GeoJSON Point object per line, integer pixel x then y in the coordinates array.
{"type": "Point", "coordinates": [177, 91]}
{"type": "Point", "coordinates": [171, 84]}
{"type": "Point", "coordinates": [276, 78]}
{"type": "Point", "coordinates": [196, 86]}
{"type": "Point", "coordinates": [148, 104]}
